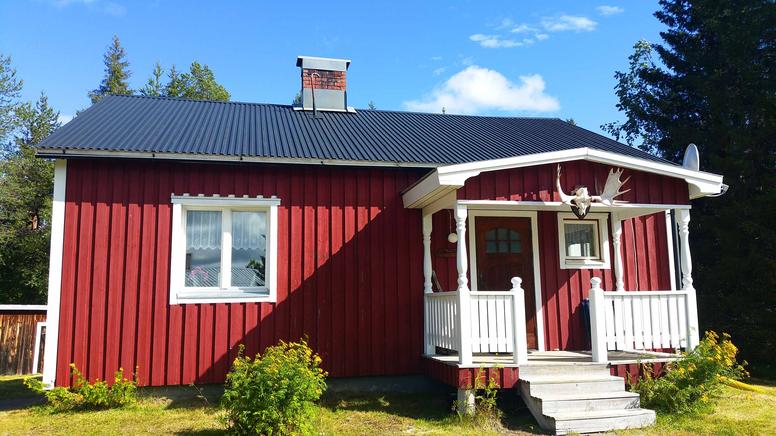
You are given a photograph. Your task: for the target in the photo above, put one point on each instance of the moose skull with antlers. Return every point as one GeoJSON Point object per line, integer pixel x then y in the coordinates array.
{"type": "Point", "coordinates": [581, 200]}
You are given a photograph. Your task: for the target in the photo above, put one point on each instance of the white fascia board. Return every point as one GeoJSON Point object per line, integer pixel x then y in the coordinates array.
{"type": "Point", "coordinates": [454, 176]}
{"type": "Point", "coordinates": [22, 307]}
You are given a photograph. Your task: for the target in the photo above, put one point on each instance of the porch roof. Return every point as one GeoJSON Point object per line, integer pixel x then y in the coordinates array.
{"type": "Point", "coordinates": [445, 180]}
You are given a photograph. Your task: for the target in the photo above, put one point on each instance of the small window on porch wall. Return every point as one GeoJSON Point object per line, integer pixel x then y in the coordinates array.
{"type": "Point", "coordinates": [223, 249]}
{"type": "Point", "coordinates": [583, 244]}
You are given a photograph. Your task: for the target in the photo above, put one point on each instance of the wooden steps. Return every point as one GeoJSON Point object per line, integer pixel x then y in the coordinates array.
{"type": "Point", "coordinates": [580, 399]}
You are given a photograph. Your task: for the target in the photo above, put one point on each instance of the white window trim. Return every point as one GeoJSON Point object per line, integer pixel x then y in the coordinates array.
{"type": "Point", "coordinates": [602, 233]}
{"type": "Point", "coordinates": [179, 293]}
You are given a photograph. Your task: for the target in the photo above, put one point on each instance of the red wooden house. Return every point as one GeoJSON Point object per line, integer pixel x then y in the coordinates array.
{"type": "Point", "coordinates": [399, 243]}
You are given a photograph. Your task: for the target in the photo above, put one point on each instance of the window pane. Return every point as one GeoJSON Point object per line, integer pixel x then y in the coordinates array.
{"type": "Point", "coordinates": [490, 235]}
{"type": "Point", "coordinates": [580, 240]}
{"type": "Point", "coordinates": [515, 248]}
{"type": "Point", "coordinates": [249, 241]}
{"type": "Point", "coordinates": [203, 248]}
{"type": "Point", "coordinates": [490, 247]}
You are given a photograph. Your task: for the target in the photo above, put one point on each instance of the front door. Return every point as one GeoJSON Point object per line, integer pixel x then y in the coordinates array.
{"type": "Point", "coordinates": [504, 251]}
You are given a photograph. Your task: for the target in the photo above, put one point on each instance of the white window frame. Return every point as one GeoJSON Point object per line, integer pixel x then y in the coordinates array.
{"type": "Point", "coordinates": [600, 223]}
{"type": "Point", "coordinates": [225, 293]}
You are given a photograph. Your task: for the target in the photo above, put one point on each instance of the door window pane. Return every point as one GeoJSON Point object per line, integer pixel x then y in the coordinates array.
{"type": "Point", "coordinates": [580, 240]}
{"type": "Point", "coordinates": [502, 241]}
{"type": "Point", "coordinates": [249, 241]}
{"type": "Point", "coordinates": [203, 248]}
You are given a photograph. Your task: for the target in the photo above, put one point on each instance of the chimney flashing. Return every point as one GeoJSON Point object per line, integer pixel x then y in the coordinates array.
{"type": "Point", "coordinates": [324, 83]}
{"type": "Point", "coordinates": [318, 63]}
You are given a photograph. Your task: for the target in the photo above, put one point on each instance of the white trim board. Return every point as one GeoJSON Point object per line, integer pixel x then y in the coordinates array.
{"type": "Point", "coordinates": [55, 273]}
{"type": "Point", "coordinates": [452, 177]}
{"type": "Point", "coordinates": [532, 215]}
{"type": "Point", "coordinates": [601, 221]}
{"type": "Point", "coordinates": [22, 307]}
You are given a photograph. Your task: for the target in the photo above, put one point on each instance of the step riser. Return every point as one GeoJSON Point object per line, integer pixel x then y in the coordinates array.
{"type": "Point", "coordinates": [589, 405]}
{"type": "Point", "coordinates": [527, 372]}
{"type": "Point", "coordinates": [539, 389]}
{"type": "Point", "coordinates": [604, 424]}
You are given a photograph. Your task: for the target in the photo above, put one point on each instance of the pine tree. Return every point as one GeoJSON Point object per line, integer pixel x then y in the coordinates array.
{"type": "Point", "coordinates": [10, 90]}
{"type": "Point", "coordinates": [116, 73]}
{"type": "Point", "coordinates": [714, 85]}
{"type": "Point", "coordinates": [175, 84]}
{"type": "Point", "coordinates": [154, 86]}
{"type": "Point", "coordinates": [201, 84]}
{"type": "Point", "coordinates": [26, 184]}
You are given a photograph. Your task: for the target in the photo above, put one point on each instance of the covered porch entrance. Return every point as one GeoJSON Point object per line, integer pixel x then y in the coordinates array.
{"type": "Point", "coordinates": [495, 316]}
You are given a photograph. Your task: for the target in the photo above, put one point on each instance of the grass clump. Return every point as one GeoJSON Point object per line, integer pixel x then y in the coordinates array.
{"type": "Point", "coordinates": [694, 382]}
{"type": "Point", "coordinates": [274, 393]}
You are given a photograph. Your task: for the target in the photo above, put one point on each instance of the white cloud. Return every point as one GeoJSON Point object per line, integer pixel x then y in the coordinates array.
{"type": "Point", "coordinates": [495, 41]}
{"type": "Point", "coordinates": [439, 70]}
{"type": "Point", "coordinates": [541, 36]}
{"type": "Point", "coordinates": [524, 28]}
{"type": "Point", "coordinates": [565, 23]}
{"type": "Point", "coordinates": [106, 7]}
{"type": "Point", "coordinates": [477, 89]}
{"type": "Point", "coordinates": [609, 10]}
{"type": "Point", "coordinates": [468, 60]}
{"type": "Point", "coordinates": [63, 118]}
{"type": "Point", "coordinates": [436, 58]}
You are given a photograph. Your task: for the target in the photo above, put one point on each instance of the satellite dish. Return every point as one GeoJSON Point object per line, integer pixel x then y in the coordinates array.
{"type": "Point", "coordinates": [692, 159]}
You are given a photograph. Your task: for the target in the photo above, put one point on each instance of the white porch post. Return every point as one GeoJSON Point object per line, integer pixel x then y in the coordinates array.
{"type": "Point", "coordinates": [617, 248]}
{"type": "Point", "coordinates": [427, 271]}
{"type": "Point", "coordinates": [597, 321]}
{"type": "Point", "coordinates": [518, 315]}
{"type": "Point", "coordinates": [464, 311]}
{"type": "Point", "coordinates": [683, 218]}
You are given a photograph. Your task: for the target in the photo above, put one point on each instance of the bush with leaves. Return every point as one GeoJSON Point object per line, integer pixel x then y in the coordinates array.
{"type": "Point", "coordinates": [273, 393]}
{"type": "Point", "coordinates": [83, 395]}
{"type": "Point", "coordinates": [486, 411]}
{"type": "Point", "coordinates": [691, 383]}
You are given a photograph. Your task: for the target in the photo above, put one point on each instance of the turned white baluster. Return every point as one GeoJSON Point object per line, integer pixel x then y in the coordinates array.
{"type": "Point", "coordinates": [683, 219]}
{"type": "Point", "coordinates": [427, 271]}
{"type": "Point", "coordinates": [518, 315]}
{"type": "Point", "coordinates": [617, 247]}
{"type": "Point", "coordinates": [597, 321]}
{"type": "Point", "coordinates": [464, 327]}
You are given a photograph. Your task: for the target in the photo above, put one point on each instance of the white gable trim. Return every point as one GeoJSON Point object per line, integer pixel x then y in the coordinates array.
{"type": "Point", "coordinates": [451, 177]}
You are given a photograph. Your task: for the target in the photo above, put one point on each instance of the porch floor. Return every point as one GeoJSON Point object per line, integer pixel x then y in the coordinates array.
{"type": "Point", "coordinates": [555, 358]}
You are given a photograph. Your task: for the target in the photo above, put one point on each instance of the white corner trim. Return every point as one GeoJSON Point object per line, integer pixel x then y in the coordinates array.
{"type": "Point", "coordinates": [55, 272]}
{"type": "Point", "coordinates": [601, 220]}
{"type": "Point", "coordinates": [179, 294]}
{"type": "Point", "coordinates": [532, 215]}
{"type": "Point", "coordinates": [454, 176]}
{"type": "Point", "coordinates": [23, 307]}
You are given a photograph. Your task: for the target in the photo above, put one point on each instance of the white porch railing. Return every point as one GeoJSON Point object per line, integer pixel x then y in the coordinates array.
{"type": "Point", "coordinates": [496, 320]}
{"type": "Point", "coordinates": [640, 320]}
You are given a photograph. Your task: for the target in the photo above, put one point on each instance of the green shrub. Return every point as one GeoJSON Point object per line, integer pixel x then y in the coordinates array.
{"type": "Point", "coordinates": [486, 412]}
{"type": "Point", "coordinates": [693, 382]}
{"type": "Point", "coordinates": [83, 395]}
{"type": "Point", "coordinates": [273, 393]}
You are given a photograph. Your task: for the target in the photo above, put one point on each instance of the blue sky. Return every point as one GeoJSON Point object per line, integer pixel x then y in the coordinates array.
{"type": "Point", "coordinates": [527, 58]}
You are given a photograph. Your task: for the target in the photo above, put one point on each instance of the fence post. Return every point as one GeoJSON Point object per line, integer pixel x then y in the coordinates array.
{"type": "Point", "coordinates": [597, 321]}
{"type": "Point", "coordinates": [518, 315]}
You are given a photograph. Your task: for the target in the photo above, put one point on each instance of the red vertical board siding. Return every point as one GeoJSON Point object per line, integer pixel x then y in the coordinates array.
{"type": "Point", "coordinates": [349, 260]}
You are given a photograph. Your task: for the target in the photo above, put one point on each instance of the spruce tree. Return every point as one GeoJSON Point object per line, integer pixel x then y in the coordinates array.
{"type": "Point", "coordinates": [712, 82]}
{"type": "Point", "coordinates": [116, 73]}
{"type": "Point", "coordinates": [154, 86]}
{"type": "Point", "coordinates": [10, 90]}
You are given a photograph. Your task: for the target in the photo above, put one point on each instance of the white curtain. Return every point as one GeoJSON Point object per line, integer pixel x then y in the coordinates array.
{"type": "Point", "coordinates": [248, 230]}
{"type": "Point", "coordinates": [203, 230]}
{"type": "Point", "coordinates": [579, 240]}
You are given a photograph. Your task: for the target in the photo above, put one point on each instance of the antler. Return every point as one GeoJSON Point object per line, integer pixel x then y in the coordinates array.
{"type": "Point", "coordinates": [612, 188]}
{"type": "Point", "coordinates": [563, 197]}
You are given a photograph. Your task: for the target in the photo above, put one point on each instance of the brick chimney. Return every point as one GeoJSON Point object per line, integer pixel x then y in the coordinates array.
{"type": "Point", "coordinates": [324, 83]}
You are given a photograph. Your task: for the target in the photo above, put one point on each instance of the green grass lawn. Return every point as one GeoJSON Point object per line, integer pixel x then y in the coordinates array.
{"type": "Point", "coordinates": [184, 411]}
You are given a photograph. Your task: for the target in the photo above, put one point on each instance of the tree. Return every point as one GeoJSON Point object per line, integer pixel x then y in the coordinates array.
{"type": "Point", "coordinates": [10, 90]}
{"type": "Point", "coordinates": [200, 83]}
{"type": "Point", "coordinates": [116, 73]}
{"type": "Point", "coordinates": [713, 83]}
{"type": "Point", "coordinates": [371, 105]}
{"type": "Point", "coordinates": [297, 99]}
{"type": "Point", "coordinates": [26, 184]}
{"type": "Point", "coordinates": [175, 84]}
{"type": "Point", "coordinates": [154, 86]}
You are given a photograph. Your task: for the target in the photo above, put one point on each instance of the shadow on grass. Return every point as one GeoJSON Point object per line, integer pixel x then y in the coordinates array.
{"type": "Point", "coordinates": [430, 407]}
{"type": "Point", "coordinates": [14, 395]}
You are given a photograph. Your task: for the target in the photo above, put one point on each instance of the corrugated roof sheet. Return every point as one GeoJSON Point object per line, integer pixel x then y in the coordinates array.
{"type": "Point", "coordinates": [168, 125]}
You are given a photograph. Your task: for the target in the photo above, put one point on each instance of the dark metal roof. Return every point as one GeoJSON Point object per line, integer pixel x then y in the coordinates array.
{"type": "Point", "coordinates": [233, 129]}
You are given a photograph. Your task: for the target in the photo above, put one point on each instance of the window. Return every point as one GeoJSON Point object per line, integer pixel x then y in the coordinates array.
{"type": "Point", "coordinates": [583, 243]}
{"type": "Point", "coordinates": [223, 249]}
{"type": "Point", "coordinates": [502, 241]}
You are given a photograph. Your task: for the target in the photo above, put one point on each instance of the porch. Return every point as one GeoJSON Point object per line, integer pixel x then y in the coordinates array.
{"type": "Point", "coordinates": [472, 328]}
